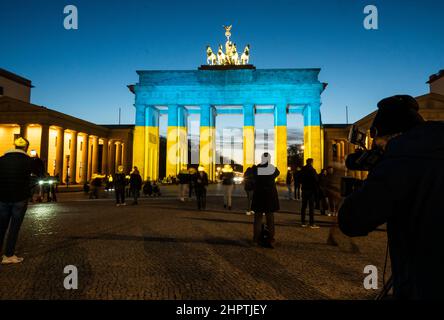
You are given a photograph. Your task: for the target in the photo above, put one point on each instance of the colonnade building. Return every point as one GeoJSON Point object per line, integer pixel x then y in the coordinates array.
{"type": "Point", "coordinates": [69, 147]}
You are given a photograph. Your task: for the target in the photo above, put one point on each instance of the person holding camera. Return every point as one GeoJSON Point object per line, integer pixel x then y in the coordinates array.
{"type": "Point", "coordinates": [404, 189]}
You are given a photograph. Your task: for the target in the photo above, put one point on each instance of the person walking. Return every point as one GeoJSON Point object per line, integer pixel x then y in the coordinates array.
{"type": "Point", "coordinates": [135, 184]}
{"type": "Point", "coordinates": [200, 185]}
{"type": "Point", "coordinates": [297, 183]}
{"type": "Point", "coordinates": [227, 177]}
{"type": "Point", "coordinates": [265, 197]}
{"type": "Point", "coordinates": [249, 187]}
{"type": "Point", "coordinates": [15, 184]}
{"type": "Point", "coordinates": [289, 181]}
{"type": "Point", "coordinates": [309, 183]}
{"type": "Point", "coordinates": [119, 187]}
{"type": "Point", "coordinates": [184, 180]}
{"type": "Point", "coordinates": [191, 182]}
{"type": "Point", "coordinates": [96, 183]}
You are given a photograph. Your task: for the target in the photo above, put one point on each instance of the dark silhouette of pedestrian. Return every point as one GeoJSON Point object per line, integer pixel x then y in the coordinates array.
{"type": "Point", "coordinates": [297, 183]}
{"type": "Point", "coordinates": [148, 189]}
{"type": "Point", "coordinates": [309, 185]}
{"type": "Point", "coordinates": [119, 186]}
{"type": "Point", "coordinates": [249, 187]}
{"type": "Point", "coordinates": [200, 184]}
{"type": "Point", "coordinates": [265, 197]}
{"type": "Point", "coordinates": [135, 184]}
{"type": "Point", "coordinates": [15, 181]}
{"type": "Point", "coordinates": [227, 178]}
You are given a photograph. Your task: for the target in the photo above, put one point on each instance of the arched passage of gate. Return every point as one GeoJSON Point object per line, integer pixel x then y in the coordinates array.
{"type": "Point", "coordinates": [172, 92]}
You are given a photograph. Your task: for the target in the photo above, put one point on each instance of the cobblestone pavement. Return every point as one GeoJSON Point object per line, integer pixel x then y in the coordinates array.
{"type": "Point", "coordinates": [165, 249]}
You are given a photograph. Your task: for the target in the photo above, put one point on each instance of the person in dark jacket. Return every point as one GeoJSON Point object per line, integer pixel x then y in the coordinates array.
{"type": "Point", "coordinates": [227, 178]}
{"type": "Point", "coordinates": [135, 184]}
{"type": "Point", "coordinates": [148, 189]}
{"type": "Point", "coordinates": [15, 184]}
{"type": "Point", "coordinates": [309, 182]}
{"type": "Point", "coordinates": [249, 187]}
{"type": "Point", "coordinates": [200, 185]}
{"type": "Point", "coordinates": [119, 187]}
{"type": "Point", "coordinates": [297, 183]}
{"type": "Point", "coordinates": [405, 190]}
{"type": "Point", "coordinates": [96, 183]}
{"type": "Point", "coordinates": [265, 196]}
{"type": "Point", "coordinates": [184, 181]}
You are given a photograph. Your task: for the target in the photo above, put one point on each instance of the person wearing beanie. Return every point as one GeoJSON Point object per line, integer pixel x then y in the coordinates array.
{"type": "Point", "coordinates": [15, 181]}
{"type": "Point", "coordinates": [404, 190]}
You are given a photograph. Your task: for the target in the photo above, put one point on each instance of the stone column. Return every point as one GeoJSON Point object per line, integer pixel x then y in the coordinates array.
{"type": "Point", "coordinates": [105, 156]}
{"type": "Point", "coordinates": [95, 155]}
{"type": "Point", "coordinates": [312, 135]}
{"type": "Point", "coordinates": [280, 139]}
{"type": "Point", "coordinates": [207, 140]}
{"type": "Point", "coordinates": [151, 155]}
{"type": "Point", "coordinates": [249, 138]}
{"type": "Point", "coordinates": [177, 140]}
{"type": "Point", "coordinates": [118, 154]}
{"type": "Point", "coordinates": [73, 158]}
{"type": "Point", "coordinates": [112, 157]}
{"type": "Point", "coordinates": [139, 144]}
{"type": "Point", "coordinates": [85, 148]}
{"type": "Point", "coordinates": [44, 145]}
{"type": "Point", "coordinates": [59, 153]}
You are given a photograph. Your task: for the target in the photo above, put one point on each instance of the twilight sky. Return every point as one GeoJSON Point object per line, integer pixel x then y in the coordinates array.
{"type": "Point", "coordinates": [84, 72]}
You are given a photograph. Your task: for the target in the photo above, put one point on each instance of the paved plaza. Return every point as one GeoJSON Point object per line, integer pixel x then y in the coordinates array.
{"type": "Point", "coordinates": [165, 249]}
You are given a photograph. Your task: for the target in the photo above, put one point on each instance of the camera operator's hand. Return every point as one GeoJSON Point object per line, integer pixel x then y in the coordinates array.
{"type": "Point", "coordinates": [371, 205]}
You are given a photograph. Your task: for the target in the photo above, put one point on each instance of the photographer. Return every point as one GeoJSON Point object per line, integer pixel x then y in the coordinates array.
{"type": "Point", "coordinates": [404, 189]}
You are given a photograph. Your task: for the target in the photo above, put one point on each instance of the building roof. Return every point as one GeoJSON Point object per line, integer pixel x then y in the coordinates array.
{"type": "Point", "coordinates": [336, 125]}
{"type": "Point", "coordinates": [117, 126]}
{"type": "Point", "coordinates": [16, 78]}
{"type": "Point", "coordinates": [436, 76]}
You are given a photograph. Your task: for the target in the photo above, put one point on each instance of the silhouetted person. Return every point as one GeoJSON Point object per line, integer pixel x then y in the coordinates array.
{"type": "Point", "coordinates": [404, 189]}
{"type": "Point", "coordinates": [249, 187]}
{"type": "Point", "coordinates": [309, 182]}
{"type": "Point", "coordinates": [15, 179]}
{"type": "Point", "coordinates": [297, 183]}
{"type": "Point", "coordinates": [148, 189]}
{"type": "Point", "coordinates": [156, 190]}
{"type": "Point", "coordinates": [184, 180]}
{"type": "Point", "coordinates": [227, 177]}
{"type": "Point", "coordinates": [200, 184]}
{"type": "Point", "coordinates": [265, 197]}
{"type": "Point", "coordinates": [135, 184]}
{"type": "Point", "coordinates": [119, 186]}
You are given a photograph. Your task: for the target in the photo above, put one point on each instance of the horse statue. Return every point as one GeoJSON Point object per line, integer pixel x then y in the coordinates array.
{"type": "Point", "coordinates": [211, 57]}
{"type": "Point", "coordinates": [245, 57]}
{"type": "Point", "coordinates": [234, 55]}
{"type": "Point", "coordinates": [221, 59]}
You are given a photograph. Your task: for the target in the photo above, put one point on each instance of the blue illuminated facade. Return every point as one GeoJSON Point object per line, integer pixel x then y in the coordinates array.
{"type": "Point", "coordinates": [178, 93]}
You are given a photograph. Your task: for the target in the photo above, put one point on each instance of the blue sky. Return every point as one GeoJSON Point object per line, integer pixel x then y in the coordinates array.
{"type": "Point", "coordinates": [85, 72]}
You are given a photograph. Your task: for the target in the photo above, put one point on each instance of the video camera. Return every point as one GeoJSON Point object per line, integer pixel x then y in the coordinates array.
{"type": "Point", "coordinates": [362, 159]}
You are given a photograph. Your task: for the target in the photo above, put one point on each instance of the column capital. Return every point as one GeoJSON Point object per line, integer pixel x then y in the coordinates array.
{"type": "Point", "coordinates": [280, 114]}
{"type": "Point", "coordinates": [249, 113]}
{"type": "Point", "coordinates": [207, 115]}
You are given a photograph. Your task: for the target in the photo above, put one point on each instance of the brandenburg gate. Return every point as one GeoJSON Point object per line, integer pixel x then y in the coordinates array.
{"type": "Point", "coordinates": [229, 81]}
